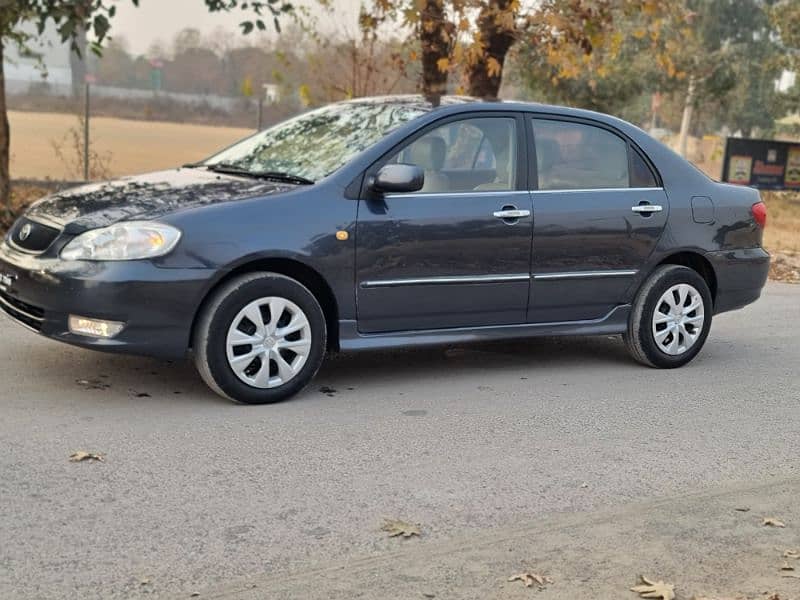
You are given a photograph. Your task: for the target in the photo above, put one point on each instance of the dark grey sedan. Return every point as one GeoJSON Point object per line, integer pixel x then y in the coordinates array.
{"type": "Point", "coordinates": [384, 222]}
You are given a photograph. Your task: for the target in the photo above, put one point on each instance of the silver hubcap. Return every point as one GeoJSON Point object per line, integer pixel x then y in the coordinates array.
{"type": "Point", "coordinates": [268, 342]}
{"type": "Point", "coordinates": [678, 319]}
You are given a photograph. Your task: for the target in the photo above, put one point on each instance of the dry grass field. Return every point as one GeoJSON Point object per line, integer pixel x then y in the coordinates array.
{"type": "Point", "coordinates": [783, 221]}
{"type": "Point", "coordinates": [131, 146]}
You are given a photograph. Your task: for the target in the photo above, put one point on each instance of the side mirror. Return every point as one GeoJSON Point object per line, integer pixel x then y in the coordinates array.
{"type": "Point", "coordinates": [398, 178]}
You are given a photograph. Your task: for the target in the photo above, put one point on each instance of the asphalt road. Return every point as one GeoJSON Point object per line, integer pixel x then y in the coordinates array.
{"type": "Point", "coordinates": [197, 493]}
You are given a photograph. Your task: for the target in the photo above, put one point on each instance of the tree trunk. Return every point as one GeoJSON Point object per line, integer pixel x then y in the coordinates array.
{"type": "Point", "coordinates": [78, 62]}
{"type": "Point", "coordinates": [686, 121]}
{"type": "Point", "coordinates": [5, 141]}
{"type": "Point", "coordinates": [485, 75]}
{"type": "Point", "coordinates": [433, 39]}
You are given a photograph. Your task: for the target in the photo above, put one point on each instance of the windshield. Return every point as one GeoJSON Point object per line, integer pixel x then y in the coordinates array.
{"type": "Point", "coordinates": [316, 144]}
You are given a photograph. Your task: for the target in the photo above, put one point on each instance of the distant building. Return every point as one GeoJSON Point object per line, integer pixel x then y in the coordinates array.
{"type": "Point", "coordinates": [786, 82]}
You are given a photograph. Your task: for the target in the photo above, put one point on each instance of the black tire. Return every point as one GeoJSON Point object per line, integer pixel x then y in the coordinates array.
{"type": "Point", "coordinates": [640, 338]}
{"type": "Point", "coordinates": [218, 314]}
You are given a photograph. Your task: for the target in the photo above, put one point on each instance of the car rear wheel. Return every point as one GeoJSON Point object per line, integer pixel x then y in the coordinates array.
{"type": "Point", "coordinates": [670, 319]}
{"type": "Point", "coordinates": [260, 339]}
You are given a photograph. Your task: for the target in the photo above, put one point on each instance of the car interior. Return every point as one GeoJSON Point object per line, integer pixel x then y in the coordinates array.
{"type": "Point", "coordinates": [471, 155]}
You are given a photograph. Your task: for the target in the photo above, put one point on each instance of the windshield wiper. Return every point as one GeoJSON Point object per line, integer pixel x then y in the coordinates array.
{"type": "Point", "coordinates": [230, 169]}
{"type": "Point", "coordinates": [283, 176]}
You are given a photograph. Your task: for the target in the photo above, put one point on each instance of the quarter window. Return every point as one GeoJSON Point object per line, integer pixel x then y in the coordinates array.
{"type": "Point", "coordinates": [641, 175]}
{"type": "Point", "coordinates": [575, 156]}
{"type": "Point", "coordinates": [473, 154]}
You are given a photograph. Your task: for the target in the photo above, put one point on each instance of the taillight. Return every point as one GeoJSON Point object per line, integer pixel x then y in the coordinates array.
{"type": "Point", "coordinates": [759, 210]}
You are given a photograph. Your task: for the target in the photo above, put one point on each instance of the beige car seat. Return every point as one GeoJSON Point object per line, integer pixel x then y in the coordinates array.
{"type": "Point", "coordinates": [428, 153]}
{"type": "Point", "coordinates": [504, 167]}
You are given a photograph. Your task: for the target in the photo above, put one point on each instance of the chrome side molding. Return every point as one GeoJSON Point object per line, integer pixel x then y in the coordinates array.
{"type": "Point", "coordinates": [583, 275]}
{"type": "Point", "coordinates": [460, 279]}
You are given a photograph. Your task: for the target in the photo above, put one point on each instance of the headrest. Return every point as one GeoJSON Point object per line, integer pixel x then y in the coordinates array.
{"type": "Point", "coordinates": [548, 153]}
{"type": "Point", "coordinates": [428, 153]}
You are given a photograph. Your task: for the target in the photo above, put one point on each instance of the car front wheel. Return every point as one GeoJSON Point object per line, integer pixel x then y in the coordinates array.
{"type": "Point", "coordinates": [670, 318]}
{"type": "Point", "coordinates": [260, 339]}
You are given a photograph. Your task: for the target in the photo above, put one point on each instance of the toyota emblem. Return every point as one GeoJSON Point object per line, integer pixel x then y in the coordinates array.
{"type": "Point", "coordinates": [25, 232]}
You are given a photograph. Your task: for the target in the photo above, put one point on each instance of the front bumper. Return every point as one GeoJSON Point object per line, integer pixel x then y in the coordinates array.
{"type": "Point", "coordinates": [741, 275]}
{"type": "Point", "coordinates": [156, 304]}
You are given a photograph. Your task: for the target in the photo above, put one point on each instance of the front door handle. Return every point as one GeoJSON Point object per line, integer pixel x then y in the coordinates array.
{"type": "Point", "coordinates": [511, 213]}
{"type": "Point", "coordinates": [647, 208]}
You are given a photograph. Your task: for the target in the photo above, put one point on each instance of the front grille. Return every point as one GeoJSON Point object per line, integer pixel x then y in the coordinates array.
{"type": "Point", "coordinates": [27, 314]}
{"type": "Point", "coordinates": [32, 236]}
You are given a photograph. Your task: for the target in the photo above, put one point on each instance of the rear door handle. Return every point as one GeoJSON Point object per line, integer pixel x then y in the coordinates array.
{"type": "Point", "coordinates": [647, 208]}
{"type": "Point", "coordinates": [511, 213]}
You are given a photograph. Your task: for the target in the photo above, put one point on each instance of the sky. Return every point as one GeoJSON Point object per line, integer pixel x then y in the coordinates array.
{"type": "Point", "coordinates": [162, 19]}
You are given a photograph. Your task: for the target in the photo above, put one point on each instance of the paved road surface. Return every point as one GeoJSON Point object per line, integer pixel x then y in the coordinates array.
{"type": "Point", "coordinates": [197, 493]}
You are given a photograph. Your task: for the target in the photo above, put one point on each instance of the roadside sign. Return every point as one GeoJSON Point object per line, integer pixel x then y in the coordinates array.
{"type": "Point", "coordinates": [156, 79]}
{"type": "Point", "coordinates": [763, 164]}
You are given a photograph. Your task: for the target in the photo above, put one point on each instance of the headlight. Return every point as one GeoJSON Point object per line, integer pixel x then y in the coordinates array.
{"type": "Point", "coordinates": [133, 240]}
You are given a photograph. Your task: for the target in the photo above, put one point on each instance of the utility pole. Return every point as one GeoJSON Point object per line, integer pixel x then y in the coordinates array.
{"type": "Point", "coordinates": [86, 130]}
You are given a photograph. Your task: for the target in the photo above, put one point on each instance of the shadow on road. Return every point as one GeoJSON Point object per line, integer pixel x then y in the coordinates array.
{"type": "Point", "coordinates": [491, 357]}
{"type": "Point", "coordinates": [147, 380]}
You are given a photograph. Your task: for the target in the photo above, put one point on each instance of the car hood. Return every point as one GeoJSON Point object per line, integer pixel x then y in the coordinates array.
{"type": "Point", "coordinates": [146, 197]}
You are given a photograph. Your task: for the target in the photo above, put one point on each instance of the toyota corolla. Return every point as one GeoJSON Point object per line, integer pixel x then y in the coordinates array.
{"type": "Point", "coordinates": [384, 223]}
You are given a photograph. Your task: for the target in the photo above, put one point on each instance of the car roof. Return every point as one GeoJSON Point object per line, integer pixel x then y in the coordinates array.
{"type": "Point", "coordinates": [456, 104]}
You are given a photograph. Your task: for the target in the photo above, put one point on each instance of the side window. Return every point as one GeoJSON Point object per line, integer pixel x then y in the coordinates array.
{"type": "Point", "coordinates": [641, 175]}
{"type": "Point", "coordinates": [574, 156]}
{"type": "Point", "coordinates": [473, 154]}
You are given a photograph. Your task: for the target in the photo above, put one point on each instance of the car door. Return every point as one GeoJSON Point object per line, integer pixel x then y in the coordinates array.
{"type": "Point", "coordinates": [599, 211]}
{"type": "Point", "coordinates": [457, 252]}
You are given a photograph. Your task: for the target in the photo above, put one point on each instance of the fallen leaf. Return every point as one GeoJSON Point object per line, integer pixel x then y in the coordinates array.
{"type": "Point", "coordinates": [787, 567]}
{"type": "Point", "coordinates": [194, 594]}
{"type": "Point", "coordinates": [654, 589]}
{"type": "Point", "coordinates": [742, 509]}
{"type": "Point", "coordinates": [530, 578]}
{"type": "Point", "coordinates": [793, 575]}
{"type": "Point", "coordinates": [93, 384]}
{"type": "Point", "coordinates": [791, 553]}
{"type": "Point", "coordinates": [770, 522]}
{"type": "Point", "coordinates": [400, 528]}
{"type": "Point", "coordinates": [81, 456]}
{"type": "Point", "coordinates": [144, 581]}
